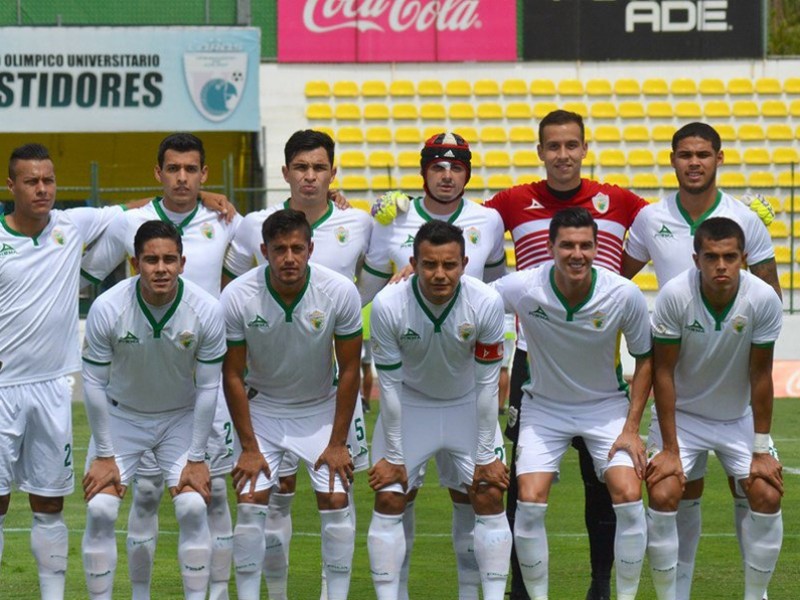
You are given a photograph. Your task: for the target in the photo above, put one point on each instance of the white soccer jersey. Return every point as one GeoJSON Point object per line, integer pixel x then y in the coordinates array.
{"type": "Point", "coordinates": [392, 245]}
{"type": "Point", "coordinates": [712, 377]}
{"type": "Point", "coordinates": [39, 294]}
{"type": "Point", "coordinates": [574, 357]}
{"type": "Point", "coordinates": [664, 232]}
{"type": "Point", "coordinates": [290, 358]}
{"type": "Point", "coordinates": [340, 237]}
{"type": "Point", "coordinates": [205, 238]}
{"type": "Point", "coordinates": [152, 360]}
{"type": "Point", "coordinates": [435, 345]}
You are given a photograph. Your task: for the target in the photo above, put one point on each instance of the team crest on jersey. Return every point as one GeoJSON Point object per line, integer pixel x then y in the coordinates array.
{"type": "Point", "coordinates": [128, 338]}
{"type": "Point", "coordinates": [207, 229]}
{"type": "Point", "coordinates": [534, 205]}
{"type": "Point", "coordinates": [697, 327]}
{"type": "Point", "coordinates": [598, 319]}
{"type": "Point", "coordinates": [465, 331]}
{"type": "Point", "coordinates": [258, 322]}
{"type": "Point", "coordinates": [664, 232]}
{"type": "Point", "coordinates": [409, 242]}
{"type": "Point", "coordinates": [186, 339]}
{"type": "Point", "coordinates": [7, 250]}
{"type": "Point", "coordinates": [58, 236]}
{"type": "Point", "coordinates": [739, 323]}
{"type": "Point", "coordinates": [473, 234]}
{"type": "Point", "coordinates": [317, 319]}
{"type": "Point", "coordinates": [601, 203]}
{"type": "Point", "coordinates": [661, 328]}
{"type": "Point", "coordinates": [342, 235]}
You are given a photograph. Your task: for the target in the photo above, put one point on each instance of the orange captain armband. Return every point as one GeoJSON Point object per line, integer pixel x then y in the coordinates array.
{"type": "Point", "coordinates": [489, 353]}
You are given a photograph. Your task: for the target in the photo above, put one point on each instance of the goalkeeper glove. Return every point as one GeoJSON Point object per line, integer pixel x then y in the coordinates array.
{"type": "Point", "coordinates": [761, 206]}
{"type": "Point", "coordinates": [386, 208]}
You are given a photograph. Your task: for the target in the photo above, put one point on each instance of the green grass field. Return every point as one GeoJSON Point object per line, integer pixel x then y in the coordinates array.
{"type": "Point", "coordinates": [718, 574]}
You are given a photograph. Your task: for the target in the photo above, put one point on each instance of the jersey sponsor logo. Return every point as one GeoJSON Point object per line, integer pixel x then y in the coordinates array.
{"type": "Point", "coordinates": [317, 319]}
{"type": "Point", "coordinates": [664, 232]}
{"type": "Point", "coordinates": [258, 322]}
{"type": "Point", "coordinates": [342, 235]}
{"type": "Point", "coordinates": [58, 236]}
{"type": "Point", "coordinates": [598, 319]}
{"type": "Point", "coordinates": [128, 338]}
{"type": "Point", "coordinates": [539, 314]}
{"type": "Point", "coordinates": [186, 339]}
{"type": "Point", "coordinates": [465, 331]}
{"type": "Point", "coordinates": [7, 250]}
{"type": "Point", "coordinates": [601, 203]}
{"type": "Point", "coordinates": [489, 352]}
{"type": "Point", "coordinates": [409, 242]}
{"type": "Point", "coordinates": [696, 327]}
{"type": "Point", "coordinates": [534, 205]}
{"type": "Point", "coordinates": [207, 229]}
{"type": "Point", "coordinates": [739, 323]}
{"type": "Point", "coordinates": [410, 334]}
{"type": "Point", "coordinates": [473, 234]}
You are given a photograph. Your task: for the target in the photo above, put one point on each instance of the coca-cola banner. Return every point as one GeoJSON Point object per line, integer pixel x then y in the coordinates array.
{"type": "Point", "coordinates": [396, 30]}
{"type": "Point", "coordinates": [642, 30]}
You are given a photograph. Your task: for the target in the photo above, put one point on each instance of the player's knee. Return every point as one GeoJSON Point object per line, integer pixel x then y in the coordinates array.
{"type": "Point", "coordinates": [335, 501]}
{"type": "Point", "coordinates": [390, 503]}
{"type": "Point", "coordinates": [487, 500]}
{"type": "Point", "coordinates": [458, 496]}
{"type": "Point", "coordinates": [694, 489]}
{"type": "Point", "coordinates": [147, 493]}
{"type": "Point", "coordinates": [218, 506]}
{"type": "Point", "coordinates": [287, 485]}
{"type": "Point", "coordinates": [190, 511]}
{"type": "Point", "coordinates": [665, 495]}
{"type": "Point", "coordinates": [43, 504]}
{"type": "Point", "coordinates": [763, 498]}
{"type": "Point", "coordinates": [102, 512]}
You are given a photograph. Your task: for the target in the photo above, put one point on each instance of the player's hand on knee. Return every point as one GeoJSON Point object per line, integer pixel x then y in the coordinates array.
{"type": "Point", "coordinates": [337, 458]}
{"type": "Point", "coordinates": [250, 465]}
{"type": "Point", "coordinates": [663, 465]}
{"type": "Point", "coordinates": [631, 443]}
{"type": "Point", "coordinates": [195, 475]}
{"type": "Point", "coordinates": [384, 473]}
{"type": "Point", "coordinates": [766, 467]}
{"type": "Point", "coordinates": [495, 474]}
{"type": "Point", "coordinates": [102, 473]}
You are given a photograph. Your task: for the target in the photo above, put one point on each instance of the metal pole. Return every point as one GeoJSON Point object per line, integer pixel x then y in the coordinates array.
{"type": "Point", "coordinates": [244, 12]}
{"type": "Point", "coordinates": [94, 177]}
{"type": "Point", "coordinates": [208, 12]}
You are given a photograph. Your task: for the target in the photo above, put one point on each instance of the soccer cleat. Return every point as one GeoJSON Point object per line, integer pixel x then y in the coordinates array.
{"type": "Point", "coordinates": [599, 591]}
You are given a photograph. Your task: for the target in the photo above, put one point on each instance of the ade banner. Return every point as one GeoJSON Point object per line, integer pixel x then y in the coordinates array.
{"type": "Point", "coordinates": [642, 29]}
{"type": "Point", "coordinates": [397, 30]}
{"type": "Point", "coordinates": [86, 79]}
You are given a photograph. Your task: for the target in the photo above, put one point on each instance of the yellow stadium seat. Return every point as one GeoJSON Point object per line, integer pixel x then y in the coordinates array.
{"type": "Point", "coordinates": [598, 87]}
{"type": "Point", "coordinates": [432, 111]}
{"type": "Point", "coordinates": [751, 132]}
{"type": "Point", "coordinates": [688, 110]}
{"type": "Point", "coordinates": [785, 155]}
{"type": "Point", "coordinates": [796, 229]}
{"type": "Point", "coordinates": [476, 182]}
{"type": "Point", "coordinates": [401, 88]}
{"type": "Point", "coordinates": [468, 133]}
{"type": "Point", "coordinates": [500, 181]}
{"type": "Point", "coordinates": [761, 179]}
{"type": "Point", "coordinates": [655, 87]}
{"type": "Point", "coordinates": [317, 89]}
{"type": "Point", "coordinates": [376, 112]}
{"type": "Point", "coordinates": [518, 110]}
{"type": "Point", "coordinates": [327, 130]}
{"type": "Point", "coordinates": [486, 87]}
{"type": "Point", "coordinates": [352, 158]}
{"type": "Point", "coordinates": [526, 178]}
{"type": "Point", "coordinates": [493, 135]}
{"type": "Point", "coordinates": [755, 156]}
{"type": "Point", "coordinates": [794, 108]}
{"type": "Point", "coordinates": [477, 159]}
{"type": "Point", "coordinates": [405, 135]}
{"type": "Point", "coordinates": [732, 156]}
{"type": "Point", "coordinates": [577, 107]}
{"type": "Point", "coordinates": [787, 204]}
{"type": "Point", "coordinates": [635, 133]}
{"type": "Point", "coordinates": [408, 159]}
{"type": "Point", "coordinates": [347, 112]}
{"type": "Point", "coordinates": [612, 158]}
{"type": "Point", "coordinates": [797, 256]}
{"type": "Point", "coordinates": [526, 158]}
{"type": "Point", "coordinates": [459, 88]}
{"type": "Point", "coordinates": [619, 179]}
{"type": "Point", "coordinates": [603, 110]}
{"type": "Point", "coordinates": [511, 257]}
{"type": "Point", "coordinates": [490, 110]}
{"type": "Point", "coordinates": [319, 112]}
{"type": "Point", "coordinates": [360, 204]}
{"type": "Point", "coordinates": [659, 110]}
{"type": "Point", "coordinates": [431, 130]}
{"type": "Point", "coordinates": [776, 204]}
{"type": "Point", "coordinates": [404, 112]}
{"type": "Point", "coordinates": [662, 133]}
{"type": "Point", "coordinates": [790, 281]}
{"type": "Point", "coordinates": [497, 158]}
{"type": "Point", "coordinates": [717, 109]}
{"type": "Point", "coordinates": [462, 111]}
{"type": "Point", "coordinates": [768, 86]}
{"type": "Point", "coordinates": [745, 108]}
{"type": "Point", "coordinates": [521, 134]}
{"type": "Point", "coordinates": [345, 89]}
{"type": "Point", "coordinates": [732, 180]}
{"type": "Point", "coordinates": [783, 255]}
{"type": "Point", "coordinates": [640, 158]}
{"type": "Point", "coordinates": [647, 281]}
{"type": "Point", "coordinates": [607, 133]}
{"type": "Point", "coordinates": [789, 179]}
{"type": "Point", "coordinates": [384, 182]}
{"type": "Point", "coordinates": [380, 159]}
{"type": "Point", "coordinates": [411, 182]}
{"type": "Point", "coordinates": [514, 87]}
{"type": "Point", "coordinates": [627, 87]}
{"type": "Point", "coordinates": [570, 87]}
{"type": "Point", "coordinates": [669, 181]}
{"type": "Point", "coordinates": [354, 182]}
{"type": "Point", "coordinates": [590, 159]}
{"type": "Point", "coordinates": [379, 135]}
{"type": "Point", "coordinates": [543, 87]}
{"type": "Point", "coordinates": [374, 88]}
{"type": "Point", "coordinates": [683, 87]}
{"type": "Point", "coordinates": [726, 131]}
{"type": "Point", "coordinates": [792, 85]}
{"type": "Point", "coordinates": [662, 158]}
{"type": "Point", "coordinates": [430, 87]}
{"type": "Point", "coordinates": [774, 109]}
{"type": "Point", "coordinates": [739, 86]}
{"type": "Point", "coordinates": [645, 181]}
{"type": "Point", "coordinates": [631, 110]}
{"type": "Point", "coordinates": [712, 87]}
{"type": "Point", "coordinates": [542, 109]}
{"type": "Point", "coordinates": [349, 135]}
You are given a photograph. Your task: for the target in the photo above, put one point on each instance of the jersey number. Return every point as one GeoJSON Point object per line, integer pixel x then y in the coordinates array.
{"type": "Point", "coordinates": [228, 435]}
{"type": "Point", "coordinates": [500, 451]}
{"type": "Point", "coordinates": [68, 457]}
{"type": "Point", "coordinates": [360, 435]}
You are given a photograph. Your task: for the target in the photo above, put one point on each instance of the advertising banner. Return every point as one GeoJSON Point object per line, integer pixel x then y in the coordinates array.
{"type": "Point", "coordinates": [397, 30]}
{"type": "Point", "coordinates": [642, 29]}
{"type": "Point", "coordinates": [87, 79]}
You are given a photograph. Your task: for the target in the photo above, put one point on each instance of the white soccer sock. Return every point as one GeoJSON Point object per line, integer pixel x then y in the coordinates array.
{"type": "Point", "coordinates": [248, 549]}
{"type": "Point", "coordinates": [689, 522]}
{"type": "Point", "coordinates": [2, 537]}
{"type": "Point", "coordinates": [493, 553]}
{"type": "Point", "coordinates": [630, 545]}
{"type": "Point", "coordinates": [277, 536]}
{"type": "Point", "coordinates": [351, 503]}
{"type": "Point", "coordinates": [99, 546]}
{"type": "Point", "coordinates": [469, 577]}
{"type": "Point", "coordinates": [386, 548]}
{"type": "Point", "coordinates": [762, 535]}
{"type": "Point", "coordinates": [194, 544]}
{"type": "Point", "coordinates": [338, 543]}
{"type": "Point", "coordinates": [143, 533]}
{"type": "Point", "coordinates": [409, 527]}
{"type": "Point", "coordinates": [741, 511]}
{"type": "Point", "coordinates": [662, 551]}
{"type": "Point", "coordinates": [50, 547]}
{"type": "Point", "coordinates": [530, 538]}
{"type": "Point", "coordinates": [221, 527]}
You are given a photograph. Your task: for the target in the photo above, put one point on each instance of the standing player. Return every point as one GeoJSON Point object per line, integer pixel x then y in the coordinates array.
{"type": "Point", "coordinates": [341, 238]}
{"type": "Point", "coordinates": [40, 251]}
{"type": "Point", "coordinates": [181, 170]}
{"type": "Point", "coordinates": [663, 233]}
{"type": "Point", "coordinates": [286, 324]}
{"type": "Point", "coordinates": [151, 371]}
{"type": "Point", "coordinates": [566, 311]}
{"type": "Point", "coordinates": [445, 166]}
{"type": "Point", "coordinates": [438, 346]}
{"type": "Point", "coordinates": [715, 327]}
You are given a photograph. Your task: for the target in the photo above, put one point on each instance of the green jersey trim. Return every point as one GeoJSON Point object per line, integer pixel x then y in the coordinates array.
{"type": "Point", "coordinates": [163, 216]}
{"type": "Point", "coordinates": [158, 326]}
{"type": "Point", "coordinates": [719, 317]}
{"type": "Point", "coordinates": [427, 218]}
{"type": "Point", "coordinates": [213, 361]}
{"type": "Point", "coordinates": [375, 272]}
{"type": "Point", "coordinates": [571, 311]}
{"type": "Point", "coordinates": [762, 262]}
{"type": "Point", "coordinates": [319, 221]}
{"type": "Point", "coordinates": [667, 341]}
{"type": "Point", "coordinates": [437, 323]}
{"type": "Point", "coordinates": [231, 343]}
{"type": "Point", "coordinates": [765, 345]}
{"type": "Point", "coordinates": [15, 233]}
{"type": "Point", "coordinates": [693, 225]}
{"type": "Point", "coordinates": [502, 261]}
{"type": "Point", "coordinates": [645, 355]}
{"type": "Point", "coordinates": [95, 362]}
{"type": "Point", "coordinates": [229, 273]}
{"type": "Point", "coordinates": [348, 336]}
{"type": "Point", "coordinates": [388, 367]}
{"type": "Point", "coordinates": [290, 308]}
{"type": "Point", "coordinates": [90, 278]}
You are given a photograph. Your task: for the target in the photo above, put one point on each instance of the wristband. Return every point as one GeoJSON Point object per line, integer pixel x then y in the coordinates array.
{"type": "Point", "coordinates": [761, 443]}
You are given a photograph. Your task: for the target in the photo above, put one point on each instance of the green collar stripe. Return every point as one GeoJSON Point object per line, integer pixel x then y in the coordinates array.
{"type": "Point", "coordinates": [163, 216]}
{"type": "Point", "coordinates": [693, 225]}
{"type": "Point", "coordinates": [426, 217]}
{"type": "Point", "coordinates": [719, 317]}
{"type": "Point", "coordinates": [290, 308]}
{"type": "Point", "coordinates": [571, 311]}
{"type": "Point", "coordinates": [14, 232]}
{"type": "Point", "coordinates": [319, 221]}
{"type": "Point", "coordinates": [437, 323]}
{"type": "Point", "coordinates": [158, 326]}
